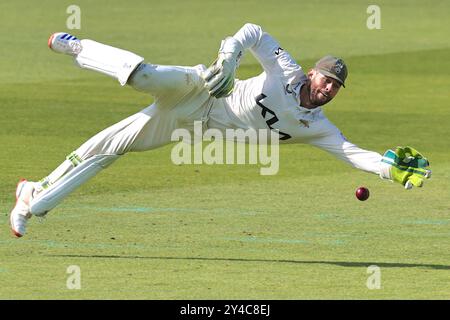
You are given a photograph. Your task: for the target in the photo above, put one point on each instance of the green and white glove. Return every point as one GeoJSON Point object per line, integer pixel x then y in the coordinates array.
{"type": "Point", "coordinates": [405, 165]}
{"type": "Point", "coordinates": [219, 77]}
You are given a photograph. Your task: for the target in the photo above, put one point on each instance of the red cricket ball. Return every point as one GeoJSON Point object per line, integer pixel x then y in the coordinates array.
{"type": "Point", "coordinates": [362, 193]}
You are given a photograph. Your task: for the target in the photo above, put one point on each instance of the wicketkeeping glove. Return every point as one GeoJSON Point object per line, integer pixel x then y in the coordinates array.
{"type": "Point", "coordinates": [219, 77]}
{"type": "Point", "coordinates": [405, 165]}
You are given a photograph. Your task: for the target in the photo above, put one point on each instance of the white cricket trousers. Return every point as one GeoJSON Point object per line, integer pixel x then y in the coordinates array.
{"type": "Point", "coordinates": [180, 99]}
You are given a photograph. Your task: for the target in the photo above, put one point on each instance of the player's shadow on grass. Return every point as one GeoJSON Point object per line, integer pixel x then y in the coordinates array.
{"type": "Point", "coordinates": [335, 263]}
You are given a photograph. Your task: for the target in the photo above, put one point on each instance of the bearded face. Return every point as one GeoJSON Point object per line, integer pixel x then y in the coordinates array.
{"type": "Point", "coordinates": [322, 88]}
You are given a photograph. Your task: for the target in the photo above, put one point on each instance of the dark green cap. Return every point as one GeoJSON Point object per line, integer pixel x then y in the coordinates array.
{"type": "Point", "coordinates": [333, 67]}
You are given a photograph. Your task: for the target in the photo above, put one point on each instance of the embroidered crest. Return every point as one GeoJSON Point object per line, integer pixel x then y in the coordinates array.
{"type": "Point", "coordinates": [338, 66]}
{"type": "Point", "coordinates": [304, 123]}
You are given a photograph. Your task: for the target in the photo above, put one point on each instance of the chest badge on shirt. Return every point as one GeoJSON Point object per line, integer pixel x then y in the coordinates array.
{"type": "Point", "coordinates": [304, 123]}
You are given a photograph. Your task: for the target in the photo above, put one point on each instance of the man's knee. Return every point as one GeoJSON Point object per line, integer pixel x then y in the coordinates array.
{"type": "Point", "coordinates": [140, 77]}
{"type": "Point", "coordinates": [165, 80]}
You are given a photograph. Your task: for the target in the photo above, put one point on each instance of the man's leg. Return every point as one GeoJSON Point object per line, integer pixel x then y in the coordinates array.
{"type": "Point", "coordinates": [89, 54]}
{"type": "Point", "coordinates": [127, 67]}
{"type": "Point", "coordinates": [89, 159]}
{"type": "Point", "coordinates": [148, 129]}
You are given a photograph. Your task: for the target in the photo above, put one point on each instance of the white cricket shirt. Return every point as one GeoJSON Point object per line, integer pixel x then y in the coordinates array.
{"type": "Point", "coordinates": [271, 100]}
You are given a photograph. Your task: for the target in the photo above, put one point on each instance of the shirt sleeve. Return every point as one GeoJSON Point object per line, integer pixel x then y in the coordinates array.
{"type": "Point", "coordinates": [266, 49]}
{"type": "Point", "coordinates": [335, 143]}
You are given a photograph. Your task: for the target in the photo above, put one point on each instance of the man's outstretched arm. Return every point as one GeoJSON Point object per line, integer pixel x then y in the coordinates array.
{"type": "Point", "coordinates": [404, 165]}
{"type": "Point", "coordinates": [219, 77]}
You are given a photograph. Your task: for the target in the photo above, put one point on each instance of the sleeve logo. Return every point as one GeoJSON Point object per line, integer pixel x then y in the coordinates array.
{"type": "Point", "coordinates": [278, 51]}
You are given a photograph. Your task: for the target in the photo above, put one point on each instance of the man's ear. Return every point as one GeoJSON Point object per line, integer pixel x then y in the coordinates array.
{"type": "Point", "coordinates": [311, 73]}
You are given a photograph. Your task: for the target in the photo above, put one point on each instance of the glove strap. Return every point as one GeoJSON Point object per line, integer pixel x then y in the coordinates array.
{"type": "Point", "coordinates": [386, 164]}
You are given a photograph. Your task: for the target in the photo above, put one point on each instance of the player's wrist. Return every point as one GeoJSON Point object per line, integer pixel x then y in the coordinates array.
{"type": "Point", "coordinates": [385, 171]}
{"type": "Point", "coordinates": [231, 50]}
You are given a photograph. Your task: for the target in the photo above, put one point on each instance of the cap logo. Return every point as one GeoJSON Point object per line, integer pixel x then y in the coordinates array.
{"type": "Point", "coordinates": [338, 66]}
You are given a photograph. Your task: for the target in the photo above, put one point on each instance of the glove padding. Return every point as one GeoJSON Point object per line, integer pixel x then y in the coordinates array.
{"type": "Point", "coordinates": [219, 77]}
{"type": "Point", "coordinates": [405, 165]}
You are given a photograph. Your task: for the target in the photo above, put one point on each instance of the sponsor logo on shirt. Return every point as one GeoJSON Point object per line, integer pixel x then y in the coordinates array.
{"type": "Point", "coordinates": [270, 116]}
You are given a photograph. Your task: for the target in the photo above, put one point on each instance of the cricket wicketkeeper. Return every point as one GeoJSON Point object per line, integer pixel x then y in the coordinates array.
{"type": "Point", "coordinates": [282, 98]}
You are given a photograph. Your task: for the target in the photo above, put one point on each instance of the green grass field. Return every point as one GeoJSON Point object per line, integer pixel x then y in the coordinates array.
{"type": "Point", "coordinates": [148, 229]}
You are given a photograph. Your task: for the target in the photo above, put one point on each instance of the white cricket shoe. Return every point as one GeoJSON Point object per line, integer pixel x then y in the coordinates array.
{"type": "Point", "coordinates": [21, 213]}
{"type": "Point", "coordinates": [66, 43]}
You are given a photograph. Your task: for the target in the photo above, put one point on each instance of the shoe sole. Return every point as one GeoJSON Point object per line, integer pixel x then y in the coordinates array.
{"type": "Point", "coordinates": [50, 40]}
{"type": "Point", "coordinates": [18, 192]}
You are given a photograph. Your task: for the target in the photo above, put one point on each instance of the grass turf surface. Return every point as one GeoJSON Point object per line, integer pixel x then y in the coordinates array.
{"type": "Point", "coordinates": [147, 229]}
